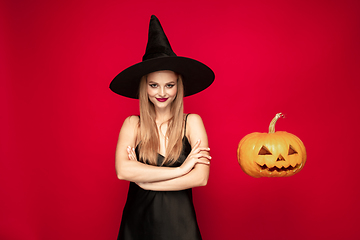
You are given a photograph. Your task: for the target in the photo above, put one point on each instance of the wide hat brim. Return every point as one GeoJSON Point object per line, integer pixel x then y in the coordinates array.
{"type": "Point", "coordinates": [196, 76]}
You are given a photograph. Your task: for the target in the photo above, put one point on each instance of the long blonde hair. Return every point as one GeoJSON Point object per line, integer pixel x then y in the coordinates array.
{"type": "Point", "coordinates": [149, 144]}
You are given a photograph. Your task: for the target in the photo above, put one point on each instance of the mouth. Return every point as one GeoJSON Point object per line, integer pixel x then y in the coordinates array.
{"type": "Point", "coordinates": [279, 170]}
{"type": "Point", "coordinates": [161, 99]}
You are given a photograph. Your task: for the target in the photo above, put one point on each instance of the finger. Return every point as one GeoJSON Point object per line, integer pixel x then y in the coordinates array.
{"type": "Point", "coordinates": [202, 149]}
{"type": "Point", "coordinates": [196, 145]}
{"type": "Point", "coordinates": [128, 149]}
{"type": "Point", "coordinates": [204, 161]}
{"type": "Point", "coordinates": [202, 155]}
{"type": "Point", "coordinates": [133, 154]}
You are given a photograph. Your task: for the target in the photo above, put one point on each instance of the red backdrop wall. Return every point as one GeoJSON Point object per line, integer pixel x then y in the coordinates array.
{"type": "Point", "coordinates": [59, 121]}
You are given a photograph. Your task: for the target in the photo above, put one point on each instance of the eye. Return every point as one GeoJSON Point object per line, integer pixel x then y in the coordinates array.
{"type": "Point", "coordinates": [170, 85]}
{"type": "Point", "coordinates": [264, 151]}
{"type": "Point", "coordinates": [292, 150]}
{"type": "Point", "coordinates": [153, 85]}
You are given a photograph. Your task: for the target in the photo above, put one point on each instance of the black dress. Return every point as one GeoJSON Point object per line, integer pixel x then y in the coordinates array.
{"type": "Point", "coordinates": [160, 215]}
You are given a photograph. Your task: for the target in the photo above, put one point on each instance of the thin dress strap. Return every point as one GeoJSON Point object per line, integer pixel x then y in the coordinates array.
{"type": "Point", "coordinates": [185, 123]}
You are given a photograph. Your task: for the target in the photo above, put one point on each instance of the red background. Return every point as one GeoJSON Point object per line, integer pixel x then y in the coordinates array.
{"type": "Point", "coordinates": [60, 122]}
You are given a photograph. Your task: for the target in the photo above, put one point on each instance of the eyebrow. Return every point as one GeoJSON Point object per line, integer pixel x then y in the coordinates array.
{"type": "Point", "coordinates": [171, 82]}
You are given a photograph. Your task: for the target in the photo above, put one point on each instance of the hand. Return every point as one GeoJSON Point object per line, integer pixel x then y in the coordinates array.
{"type": "Point", "coordinates": [140, 185]}
{"type": "Point", "coordinates": [131, 153]}
{"type": "Point", "coordinates": [197, 155]}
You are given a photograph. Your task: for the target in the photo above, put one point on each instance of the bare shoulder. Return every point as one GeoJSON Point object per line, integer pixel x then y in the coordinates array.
{"type": "Point", "coordinates": [195, 129]}
{"type": "Point", "coordinates": [194, 119]}
{"type": "Point", "coordinates": [130, 123]}
{"type": "Point", "coordinates": [129, 129]}
{"type": "Point", "coordinates": [132, 120]}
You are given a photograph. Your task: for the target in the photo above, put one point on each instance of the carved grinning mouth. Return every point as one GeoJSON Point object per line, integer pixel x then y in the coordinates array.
{"type": "Point", "coordinates": [282, 169]}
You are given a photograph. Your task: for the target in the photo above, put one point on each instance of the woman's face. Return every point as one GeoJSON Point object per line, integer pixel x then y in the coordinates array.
{"type": "Point", "coordinates": [162, 88]}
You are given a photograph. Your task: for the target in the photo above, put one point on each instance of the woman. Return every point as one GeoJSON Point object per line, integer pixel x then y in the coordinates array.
{"type": "Point", "coordinates": [162, 152]}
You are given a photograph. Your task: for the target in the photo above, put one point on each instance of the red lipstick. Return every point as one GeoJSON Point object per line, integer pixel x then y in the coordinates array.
{"type": "Point", "coordinates": [161, 99]}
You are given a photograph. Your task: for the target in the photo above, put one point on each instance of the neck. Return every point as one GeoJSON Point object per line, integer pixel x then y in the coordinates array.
{"type": "Point", "coordinates": [162, 115]}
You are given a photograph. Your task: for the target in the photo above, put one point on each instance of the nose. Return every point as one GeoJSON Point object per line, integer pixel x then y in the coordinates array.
{"type": "Point", "coordinates": [162, 92]}
{"type": "Point", "coordinates": [280, 158]}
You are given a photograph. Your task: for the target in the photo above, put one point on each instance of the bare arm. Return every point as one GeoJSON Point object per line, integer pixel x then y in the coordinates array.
{"type": "Point", "coordinates": [127, 169]}
{"type": "Point", "coordinates": [199, 175]}
{"type": "Point", "coordinates": [195, 178]}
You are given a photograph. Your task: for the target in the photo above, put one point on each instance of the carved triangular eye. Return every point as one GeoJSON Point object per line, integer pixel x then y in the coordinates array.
{"type": "Point", "coordinates": [292, 150]}
{"type": "Point", "coordinates": [264, 151]}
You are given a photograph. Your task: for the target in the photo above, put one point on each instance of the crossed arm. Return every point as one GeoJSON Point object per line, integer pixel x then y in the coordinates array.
{"type": "Point", "coordinates": [192, 173]}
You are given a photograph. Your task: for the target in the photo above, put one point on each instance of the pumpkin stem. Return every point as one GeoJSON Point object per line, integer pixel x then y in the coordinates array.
{"type": "Point", "coordinates": [273, 122]}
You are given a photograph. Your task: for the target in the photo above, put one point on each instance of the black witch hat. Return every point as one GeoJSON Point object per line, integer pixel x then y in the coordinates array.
{"type": "Point", "coordinates": [158, 56]}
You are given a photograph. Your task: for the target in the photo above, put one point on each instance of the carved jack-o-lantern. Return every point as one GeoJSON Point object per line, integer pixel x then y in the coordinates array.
{"type": "Point", "coordinates": [273, 154]}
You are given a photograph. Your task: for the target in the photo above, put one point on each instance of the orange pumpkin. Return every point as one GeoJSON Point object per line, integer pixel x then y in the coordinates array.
{"type": "Point", "coordinates": [273, 154]}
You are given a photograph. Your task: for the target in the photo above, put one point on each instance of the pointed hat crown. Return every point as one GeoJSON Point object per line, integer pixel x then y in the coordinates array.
{"type": "Point", "coordinates": [158, 44]}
